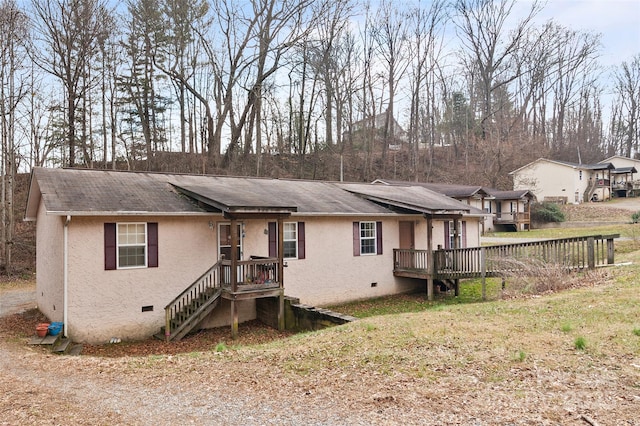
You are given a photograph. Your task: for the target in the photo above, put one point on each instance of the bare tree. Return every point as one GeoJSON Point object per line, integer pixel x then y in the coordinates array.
{"type": "Point", "coordinates": [68, 31]}
{"type": "Point", "coordinates": [425, 50]}
{"type": "Point", "coordinates": [627, 106]}
{"type": "Point", "coordinates": [390, 33]}
{"type": "Point", "coordinates": [14, 86]}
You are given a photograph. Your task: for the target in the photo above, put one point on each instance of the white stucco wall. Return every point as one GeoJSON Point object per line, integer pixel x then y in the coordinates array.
{"type": "Point", "coordinates": [548, 179]}
{"type": "Point", "coordinates": [108, 303]}
{"type": "Point", "coordinates": [49, 264]}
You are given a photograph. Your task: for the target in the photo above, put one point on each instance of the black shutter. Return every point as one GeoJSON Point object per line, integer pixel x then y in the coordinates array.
{"type": "Point", "coordinates": [379, 237]}
{"type": "Point", "coordinates": [110, 260]}
{"type": "Point", "coordinates": [273, 239]}
{"type": "Point", "coordinates": [356, 238]}
{"type": "Point", "coordinates": [152, 244]}
{"type": "Point", "coordinates": [301, 237]}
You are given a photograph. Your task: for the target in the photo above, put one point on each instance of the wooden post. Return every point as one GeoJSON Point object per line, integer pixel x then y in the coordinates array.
{"type": "Point", "coordinates": [483, 271]}
{"type": "Point", "coordinates": [281, 251]}
{"type": "Point", "coordinates": [281, 324]}
{"type": "Point", "coordinates": [234, 319]}
{"type": "Point", "coordinates": [234, 277]}
{"type": "Point", "coordinates": [430, 258]}
{"type": "Point", "coordinates": [281, 319]}
{"type": "Point", "coordinates": [234, 255]}
{"type": "Point", "coordinates": [610, 251]}
{"type": "Point", "coordinates": [591, 253]}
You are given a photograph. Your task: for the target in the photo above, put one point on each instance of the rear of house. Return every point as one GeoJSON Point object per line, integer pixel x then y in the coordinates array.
{"type": "Point", "coordinates": [114, 248]}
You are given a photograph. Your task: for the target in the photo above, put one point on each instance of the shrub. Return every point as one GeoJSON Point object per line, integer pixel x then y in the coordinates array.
{"type": "Point", "coordinates": [547, 212]}
{"type": "Point", "coordinates": [635, 218]}
{"type": "Point", "coordinates": [580, 343]}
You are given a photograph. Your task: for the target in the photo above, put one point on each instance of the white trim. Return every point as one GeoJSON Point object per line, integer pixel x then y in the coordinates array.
{"type": "Point", "coordinates": [118, 245]}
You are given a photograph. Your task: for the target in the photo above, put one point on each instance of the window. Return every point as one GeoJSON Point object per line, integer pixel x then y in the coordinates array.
{"type": "Point", "coordinates": [130, 245]}
{"type": "Point", "coordinates": [293, 240]}
{"type": "Point", "coordinates": [367, 238]}
{"type": "Point", "coordinates": [450, 236]}
{"type": "Point", "coordinates": [290, 240]}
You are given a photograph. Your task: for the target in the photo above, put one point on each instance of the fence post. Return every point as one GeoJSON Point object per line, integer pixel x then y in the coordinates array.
{"type": "Point", "coordinates": [591, 253]}
{"type": "Point", "coordinates": [483, 271]}
{"type": "Point", "coordinates": [610, 251]}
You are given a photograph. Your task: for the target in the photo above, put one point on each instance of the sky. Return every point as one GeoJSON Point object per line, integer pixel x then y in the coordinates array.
{"type": "Point", "coordinates": [617, 20]}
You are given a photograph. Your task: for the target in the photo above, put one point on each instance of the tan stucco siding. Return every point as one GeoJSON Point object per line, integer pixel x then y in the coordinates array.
{"type": "Point", "coordinates": [49, 264]}
{"type": "Point", "coordinates": [108, 303]}
{"type": "Point", "coordinates": [546, 179]}
{"type": "Point", "coordinates": [332, 274]}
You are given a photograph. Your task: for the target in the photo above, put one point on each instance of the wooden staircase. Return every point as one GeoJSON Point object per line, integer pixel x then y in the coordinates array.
{"type": "Point", "coordinates": [185, 312]}
{"type": "Point", "coordinates": [588, 193]}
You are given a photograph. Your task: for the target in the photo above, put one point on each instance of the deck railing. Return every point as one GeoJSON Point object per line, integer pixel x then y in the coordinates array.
{"type": "Point", "coordinates": [251, 274]}
{"type": "Point", "coordinates": [512, 217]}
{"type": "Point", "coordinates": [571, 253]}
{"type": "Point", "coordinates": [205, 286]}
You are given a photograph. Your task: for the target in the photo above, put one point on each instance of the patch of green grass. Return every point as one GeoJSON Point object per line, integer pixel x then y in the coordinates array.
{"type": "Point", "coordinates": [636, 331]}
{"type": "Point", "coordinates": [566, 327]}
{"type": "Point", "coordinates": [520, 356]}
{"type": "Point", "coordinates": [580, 343]}
{"type": "Point", "coordinates": [470, 292]}
{"type": "Point", "coordinates": [626, 230]}
{"type": "Point", "coordinates": [221, 347]}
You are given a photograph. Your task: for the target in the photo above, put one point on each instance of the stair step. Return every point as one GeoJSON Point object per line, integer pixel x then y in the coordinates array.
{"type": "Point", "coordinates": [75, 350]}
{"type": "Point", "coordinates": [62, 346]}
{"type": "Point", "coordinates": [46, 340]}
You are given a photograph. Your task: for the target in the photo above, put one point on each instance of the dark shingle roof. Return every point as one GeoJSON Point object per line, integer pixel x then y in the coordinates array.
{"type": "Point", "coordinates": [448, 189]}
{"type": "Point", "coordinates": [103, 192]}
{"type": "Point", "coordinates": [510, 195]}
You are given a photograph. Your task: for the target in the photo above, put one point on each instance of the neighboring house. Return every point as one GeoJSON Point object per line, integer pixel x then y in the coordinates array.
{"type": "Point", "coordinates": [623, 182]}
{"type": "Point", "coordinates": [378, 122]}
{"type": "Point", "coordinates": [511, 210]}
{"type": "Point", "coordinates": [474, 196]}
{"type": "Point", "coordinates": [565, 182]}
{"type": "Point", "coordinates": [114, 248]}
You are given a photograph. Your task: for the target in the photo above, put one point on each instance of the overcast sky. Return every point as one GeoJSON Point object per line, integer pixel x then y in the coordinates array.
{"type": "Point", "coordinates": [617, 20]}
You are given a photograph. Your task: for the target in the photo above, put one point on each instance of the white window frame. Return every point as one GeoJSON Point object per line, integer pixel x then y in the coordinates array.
{"type": "Point", "coordinates": [120, 245]}
{"type": "Point", "coordinates": [452, 234]}
{"type": "Point", "coordinates": [373, 235]}
{"type": "Point", "coordinates": [289, 239]}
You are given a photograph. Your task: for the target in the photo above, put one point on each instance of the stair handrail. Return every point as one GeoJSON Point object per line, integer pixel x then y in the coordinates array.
{"type": "Point", "coordinates": [212, 276]}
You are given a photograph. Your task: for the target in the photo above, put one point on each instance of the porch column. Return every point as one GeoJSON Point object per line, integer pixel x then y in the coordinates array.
{"type": "Point", "coordinates": [430, 258]}
{"type": "Point", "coordinates": [234, 277]}
{"type": "Point", "coordinates": [456, 245]}
{"type": "Point", "coordinates": [281, 324]}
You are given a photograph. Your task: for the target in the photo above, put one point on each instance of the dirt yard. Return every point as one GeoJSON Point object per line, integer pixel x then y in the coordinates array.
{"type": "Point", "coordinates": [485, 367]}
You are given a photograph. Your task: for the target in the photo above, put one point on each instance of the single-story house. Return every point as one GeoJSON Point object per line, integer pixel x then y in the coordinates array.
{"type": "Point", "coordinates": [115, 248]}
{"type": "Point", "coordinates": [510, 210]}
{"type": "Point", "coordinates": [565, 182]}
{"type": "Point", "coordinates": [505, 209]}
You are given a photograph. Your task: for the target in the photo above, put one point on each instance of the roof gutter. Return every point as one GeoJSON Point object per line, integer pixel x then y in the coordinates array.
{"type": "Point", "coordinates": [65, 278]}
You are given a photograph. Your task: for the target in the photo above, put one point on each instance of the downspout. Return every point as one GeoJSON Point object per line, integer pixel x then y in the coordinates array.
{"type": "Point", "coordinates": [65, 275]}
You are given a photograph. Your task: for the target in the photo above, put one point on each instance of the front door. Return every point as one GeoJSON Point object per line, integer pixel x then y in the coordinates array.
{"type": "Point", "coordinates": [224, 240]}
{"type": "Point", "coordinates": [407, 242]}
{"type": "Point", "coordinates": [407, 235]}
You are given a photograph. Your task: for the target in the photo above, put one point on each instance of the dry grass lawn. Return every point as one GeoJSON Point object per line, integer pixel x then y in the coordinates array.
{"type": "Point", "coordinates": [568, 357]}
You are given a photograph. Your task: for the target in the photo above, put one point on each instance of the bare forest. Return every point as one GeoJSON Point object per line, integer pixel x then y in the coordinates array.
{"type": "Point", "coordinates": [451, 91]}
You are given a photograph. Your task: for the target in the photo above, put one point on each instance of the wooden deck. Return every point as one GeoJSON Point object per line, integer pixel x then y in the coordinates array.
{"type": "Point", "coordinates": [500, 260]}
{"type": "Point", "coordinates": [250, 279]}
{"type": "Point", "coordinates": [516, 219]}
